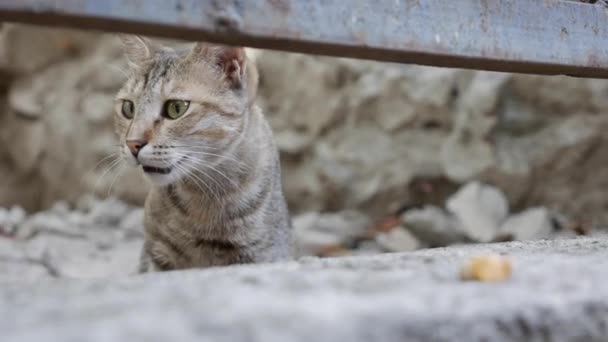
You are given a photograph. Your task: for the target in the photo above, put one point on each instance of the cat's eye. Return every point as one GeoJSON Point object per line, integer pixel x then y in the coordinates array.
{"type": "Point", "coordinates": [127, 109]}
{"type": "Point", "coordinates": [175, 108]}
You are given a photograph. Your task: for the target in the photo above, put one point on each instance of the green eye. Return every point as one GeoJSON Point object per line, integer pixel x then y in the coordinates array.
{"type": "Point", "coordinates": [175, 108]}
{"type": "Point", "coordinates": [127, 109]}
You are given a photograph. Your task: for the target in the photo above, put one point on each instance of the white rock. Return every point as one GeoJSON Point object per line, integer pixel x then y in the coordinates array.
{"type": "Point", "coordinates": [60, 208]}
{"type": "Point", "coordinates": [463, 161]}
{"type": "Point", "coordinates": [133, 223]}
{"type": "Point", "coordinates": [314, 231]}
{"type": "Point", "coordinates": [480, 209]}
{"type": "Point", "coordinates": [534, 223]}
{"type": "Point", "coordinates": [398, 240]}
{"type": "Point", "coordinates": [99, 238]}
{"type": "Point", "coordinates": [291, 141]}
{"type": "Point", "coordinates": [22, 272]}
{"type": "Point", "coordinates": [10, 219]}
{"type": "Point", "coordinates": [308, 240]}
{"type": "Point", "coordinates": [433, 226]}
{"type": "Point", "coordinates": [49, 223]}
{"type": "Point", "coordinates": [114, 260]}
{"type": "Point", "coordinates": [108, 212]}
{"type": "Point", "coordinates": [368, 247]}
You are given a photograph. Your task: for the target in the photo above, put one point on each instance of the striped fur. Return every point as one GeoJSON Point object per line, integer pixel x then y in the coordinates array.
{"type": "Point", "coordinates": [216, 195]}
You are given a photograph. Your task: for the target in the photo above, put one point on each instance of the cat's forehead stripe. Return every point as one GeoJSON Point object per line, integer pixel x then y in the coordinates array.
{"type": "Point", "coordinates": [157, 73]}
{"type": "Point", "coordinates": [145, 82]}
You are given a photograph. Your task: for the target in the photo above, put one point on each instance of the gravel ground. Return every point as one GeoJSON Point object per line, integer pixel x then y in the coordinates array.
{"type": "Point", "coordinates": [103, 238]}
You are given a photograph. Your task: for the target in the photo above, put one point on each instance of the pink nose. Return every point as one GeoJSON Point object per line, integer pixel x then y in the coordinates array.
{"type": "Point", "coordinates": [135, 145]}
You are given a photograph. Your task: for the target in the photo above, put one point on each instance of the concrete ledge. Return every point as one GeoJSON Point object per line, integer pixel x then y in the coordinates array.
{"type": "Point", "coordinates": [559, 292]}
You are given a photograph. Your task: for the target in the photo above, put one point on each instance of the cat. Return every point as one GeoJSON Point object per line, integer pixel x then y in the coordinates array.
{"type": "Point", "coordinates": [188, 118]}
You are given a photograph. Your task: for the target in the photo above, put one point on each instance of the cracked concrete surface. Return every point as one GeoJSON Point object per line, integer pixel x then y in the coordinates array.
{"type": "Point", "coordinates": [558, 292]}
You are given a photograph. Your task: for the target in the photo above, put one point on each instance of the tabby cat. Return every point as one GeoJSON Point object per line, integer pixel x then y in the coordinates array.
{"type": "Point", "coordinates": [188, 118]}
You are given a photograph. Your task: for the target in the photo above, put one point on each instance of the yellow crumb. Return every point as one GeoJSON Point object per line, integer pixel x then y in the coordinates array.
{"type": "Point", "coordinates": [487, 268]}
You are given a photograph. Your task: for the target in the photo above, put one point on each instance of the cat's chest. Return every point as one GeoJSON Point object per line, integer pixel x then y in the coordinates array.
{"type": "Point", "coordinates": [195, 228]}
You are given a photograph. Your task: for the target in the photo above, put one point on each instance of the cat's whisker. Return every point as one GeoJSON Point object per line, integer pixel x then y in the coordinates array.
{"type": "Point", "coordinates": [112, 165]}
{"type": "Point", "coordinates": [91, 170]}
{"type": "Point", "coordinates": [118, 174]}
{"type": "Point", "coordinates": [119, 69]}
{"type": "Point", "coordinates": [193, 145]}
{"type": "Point", "coordinates": [206, 150]}
{"type": "Point", "coordinates": [115, 155]}
{"type": "Point", "coordinates": [239, 163]}
{"type": "Point", "coordinates": [189, 177]}
{"type": "Point", "coordinates": [219, 186]}
{"type": "Point", "coordinates": [202, 163]}
{"type": "Point", "coordinates": [190, 174]}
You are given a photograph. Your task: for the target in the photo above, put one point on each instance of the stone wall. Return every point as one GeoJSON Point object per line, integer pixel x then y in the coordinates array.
{"type": "Point", "coordinates": [362, 135]}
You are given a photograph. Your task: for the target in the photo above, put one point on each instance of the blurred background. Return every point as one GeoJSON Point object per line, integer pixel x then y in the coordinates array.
{"type": "Point", "coordinates": [376, 157]}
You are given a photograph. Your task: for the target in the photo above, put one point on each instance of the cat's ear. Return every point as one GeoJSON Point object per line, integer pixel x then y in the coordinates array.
{"type": "Point", "coordinates": [230, 61]}
{"type": "Point", "coordinates": [137, 49]}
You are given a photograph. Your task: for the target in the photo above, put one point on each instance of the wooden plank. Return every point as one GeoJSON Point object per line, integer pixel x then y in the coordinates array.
{"type": "Point", "coordinates": [527, 36]}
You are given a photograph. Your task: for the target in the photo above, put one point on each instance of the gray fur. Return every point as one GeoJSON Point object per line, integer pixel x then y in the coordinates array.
{"type": "Point", "coordinates": [221, 202]}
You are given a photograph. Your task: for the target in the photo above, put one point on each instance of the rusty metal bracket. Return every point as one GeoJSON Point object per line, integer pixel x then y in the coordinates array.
{"type": "Point", "coordinates": [526, 36]}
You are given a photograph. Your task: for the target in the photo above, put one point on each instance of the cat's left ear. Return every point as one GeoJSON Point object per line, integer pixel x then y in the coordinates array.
{"type": "Point", "coordinates": [137, 49]}
{"type": "Point", "coordinates": [230, 61]}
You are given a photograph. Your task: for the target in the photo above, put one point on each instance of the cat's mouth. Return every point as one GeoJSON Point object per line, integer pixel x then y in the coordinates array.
{"type": "Point", "coordinates": [160, 170]}
{"type": "Point", "coordinates": [153, 169]}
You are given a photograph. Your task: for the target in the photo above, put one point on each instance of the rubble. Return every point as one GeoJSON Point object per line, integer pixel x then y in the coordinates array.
{"type": "Point", "coordinates": [10, 218]}
{"type": "Point", "coordinates": [434, 226]}
{"type": "Point", "coordinates": [531, 224]}
{"type": "Point", "coordinates": [479, 213]}
{"type": "Point", "coordinates": [315, 232]}
{"type": "Point", "coordinates": [398, 240]}
{"type": "Point", "coordinates": [480, 210]}
{"type": "Point", "coordinates": [101, 238]}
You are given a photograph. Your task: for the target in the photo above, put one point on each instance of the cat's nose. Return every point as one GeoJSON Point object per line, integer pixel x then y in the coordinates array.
{"type": "Point", "coordinates": [135, 145]}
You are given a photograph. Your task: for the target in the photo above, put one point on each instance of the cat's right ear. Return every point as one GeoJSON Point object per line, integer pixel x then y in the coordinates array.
{"type": "Point", "coordinates": [137, 49]}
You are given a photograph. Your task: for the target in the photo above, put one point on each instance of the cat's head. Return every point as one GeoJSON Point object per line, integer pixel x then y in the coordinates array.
{"type": "Point", "coordinates": [181, 109]}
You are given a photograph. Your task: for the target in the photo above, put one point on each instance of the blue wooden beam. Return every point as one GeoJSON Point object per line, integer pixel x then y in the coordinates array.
{"type": "Point", "coordinates": [526, 36]}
